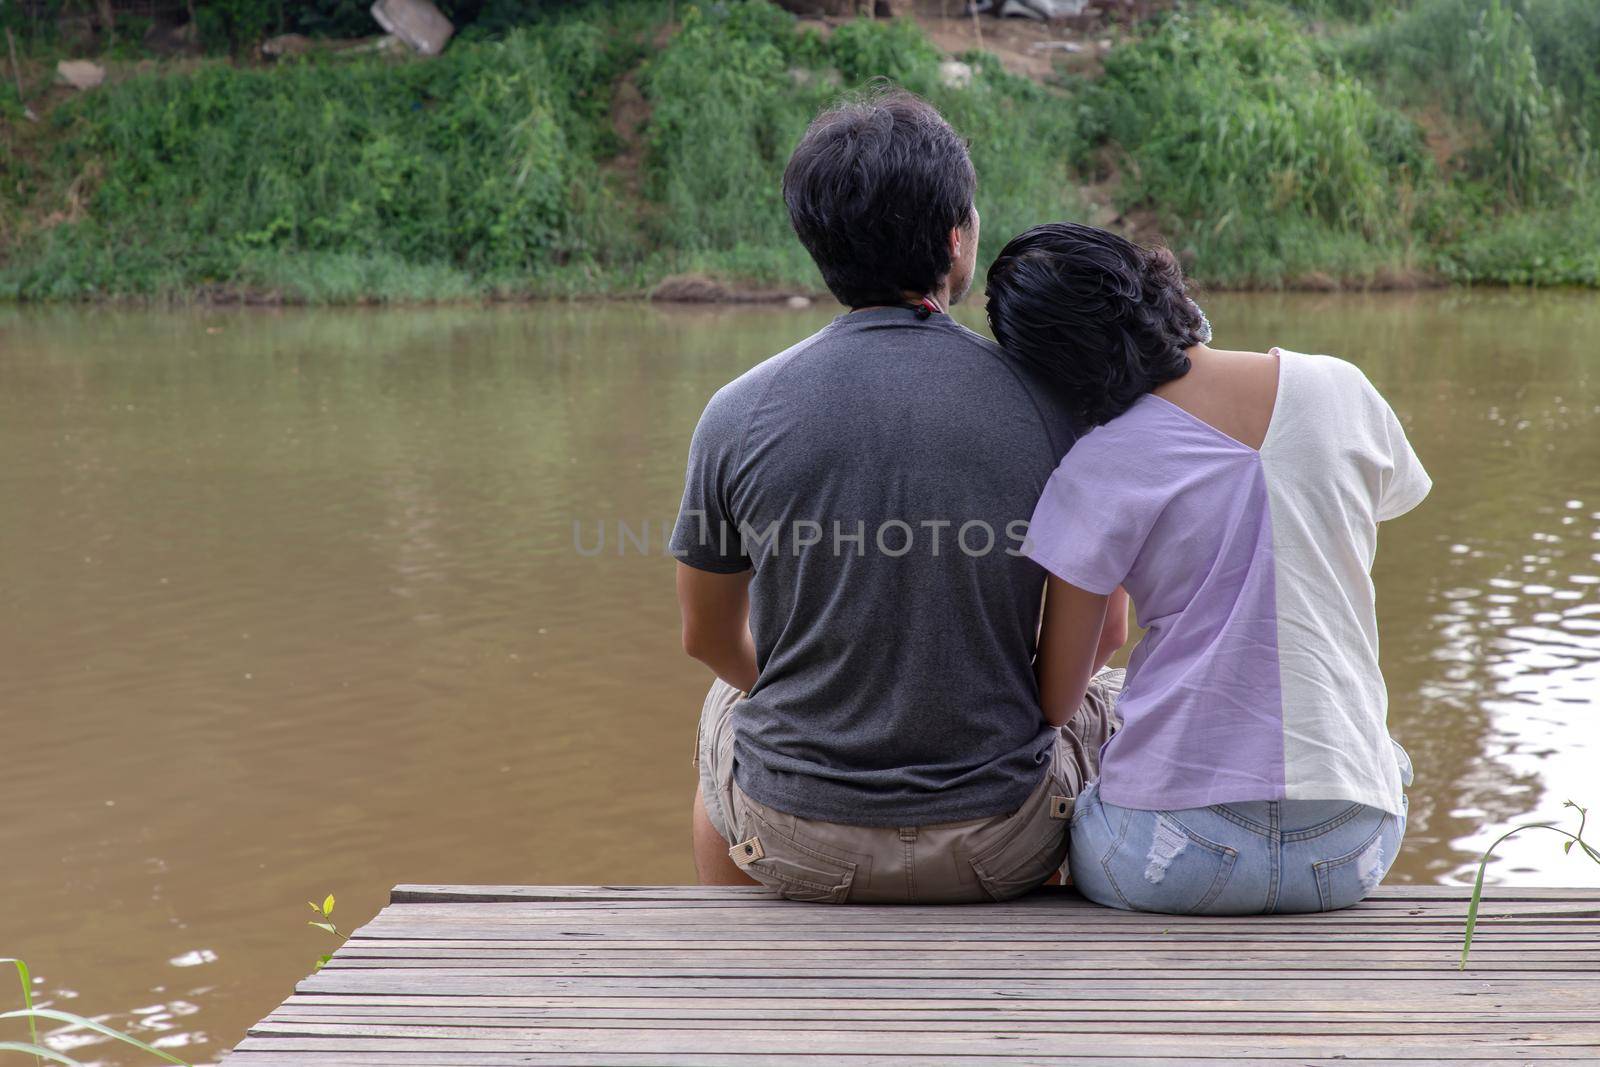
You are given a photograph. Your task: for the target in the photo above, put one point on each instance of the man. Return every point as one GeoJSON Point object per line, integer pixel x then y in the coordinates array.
{"type": "Point", "coordinates": [850, 567]}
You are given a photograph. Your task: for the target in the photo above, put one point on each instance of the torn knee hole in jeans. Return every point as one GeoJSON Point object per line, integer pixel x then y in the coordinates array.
{"type": "Point", "coordinates": [1167, 843]}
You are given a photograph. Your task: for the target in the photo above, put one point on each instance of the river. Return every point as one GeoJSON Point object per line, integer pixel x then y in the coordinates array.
{"type": "Point", "coordinates": [291, 603]}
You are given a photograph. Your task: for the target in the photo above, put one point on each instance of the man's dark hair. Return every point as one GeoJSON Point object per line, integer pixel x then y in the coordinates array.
{"type": "Point", "coordinates": [1102, 318]}
{"type": "Point", "coordinates": [874, 189]}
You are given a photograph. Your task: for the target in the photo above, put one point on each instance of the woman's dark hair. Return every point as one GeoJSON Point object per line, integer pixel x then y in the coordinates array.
{"type": "Point", "coordinates": [1104, 319]}
{"type": "Point", "coordinates": [874, 189]}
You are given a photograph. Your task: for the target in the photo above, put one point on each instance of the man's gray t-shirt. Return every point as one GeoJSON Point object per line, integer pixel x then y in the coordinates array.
{"type": "Point", "coordinates": [879, 477]}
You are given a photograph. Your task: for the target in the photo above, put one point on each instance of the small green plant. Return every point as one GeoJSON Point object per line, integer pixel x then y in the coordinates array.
{"type": "Point", "coordinates": [39, 1052]}
{"type": "Point", "coordinates": [324, 921]}
{"type": "Point", "coordinates": [1477, 886]}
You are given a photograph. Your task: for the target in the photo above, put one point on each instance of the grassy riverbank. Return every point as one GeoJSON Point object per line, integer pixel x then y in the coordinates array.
{"type": "Point", "coordinates": [1305, 143]}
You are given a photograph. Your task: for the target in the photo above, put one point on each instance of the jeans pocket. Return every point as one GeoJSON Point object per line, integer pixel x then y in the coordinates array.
{"type": "Point", "coordinates": [794, 869]}
{"type": "Point", "coordinates": [1159, 864]}
{"type": "Point", "coordinates": [1347, 879]}
{"type": "Point", "coordinates": [1029, 847]}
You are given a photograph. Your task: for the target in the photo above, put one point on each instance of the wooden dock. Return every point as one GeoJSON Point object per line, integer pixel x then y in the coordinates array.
{"type": "Point", "coordinates": [679, 975]}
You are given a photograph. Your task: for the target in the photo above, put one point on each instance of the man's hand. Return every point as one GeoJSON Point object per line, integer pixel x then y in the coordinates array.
{"type": "Point", "coordinates": [716, 623]}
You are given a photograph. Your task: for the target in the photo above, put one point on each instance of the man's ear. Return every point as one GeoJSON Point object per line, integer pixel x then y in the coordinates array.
{"type": "Point", "coordinates": [963, 232]}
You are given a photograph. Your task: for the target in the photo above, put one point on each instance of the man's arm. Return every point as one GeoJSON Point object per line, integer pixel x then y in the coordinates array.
{"type": "Point", "coordinates": [1071, 641]}
{"type": "Point", "coordinates": [716, 623]}
{"type": "Point", "coordinates": [1115, 632]}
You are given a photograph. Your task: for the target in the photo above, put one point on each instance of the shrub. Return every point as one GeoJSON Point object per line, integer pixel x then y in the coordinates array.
{"type": "Point", "coordinates": [1521, 73]}
{"type": "Point", "coordinates": [486, 159]}
{"type": "Point", "coordinates": [740, 77]}
{"type": "Point", "coordinates": [1242, 136]}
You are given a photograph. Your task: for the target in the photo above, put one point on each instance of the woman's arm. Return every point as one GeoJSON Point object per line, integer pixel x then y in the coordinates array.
{"type": "Point", "coordinates": [1070, 643]}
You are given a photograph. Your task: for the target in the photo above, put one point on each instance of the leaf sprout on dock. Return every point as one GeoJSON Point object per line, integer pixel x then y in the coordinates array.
{"type": "Point", "coordinates": [324, 921]}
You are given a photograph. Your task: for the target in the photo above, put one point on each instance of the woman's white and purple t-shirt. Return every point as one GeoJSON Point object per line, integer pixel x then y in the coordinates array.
{"type": "Point", "coordinates": [1257, 677]}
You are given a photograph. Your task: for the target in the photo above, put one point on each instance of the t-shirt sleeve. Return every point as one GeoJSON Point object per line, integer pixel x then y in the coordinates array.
{"type": "Point", "coordinates": [706, 535]}
{"type": "Point", "coordinates": [1090, 523]}
{"type": "Point", "coordinates": [1405, 483]}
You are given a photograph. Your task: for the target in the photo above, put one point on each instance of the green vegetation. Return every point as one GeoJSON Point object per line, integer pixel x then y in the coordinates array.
{"type": "Point", "coordinates": [744, 81]}
{"type": "Point", "coordinates": [1515, 85]}
{"type": "Point", "coordinates": [1262, 157]}
{"type": "Point", "coordinates": [1572, 838]}
{"type": "Point", "coordinates": [236, 26]}
{"type": "Point", "coordinates": [324, 921]}
{"type": "Point", "coordinates": [334, 180]}
{"type": "Point", "coordinates": [1272, 142]}
{"type": "Point", "coordinates": [41, 1053]}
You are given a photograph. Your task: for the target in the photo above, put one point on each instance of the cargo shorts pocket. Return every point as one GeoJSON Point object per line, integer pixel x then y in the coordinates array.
{"type": "Point", "coordinates": [1030, 846]}
{"type": "Point", "coordinates": [794, 869]}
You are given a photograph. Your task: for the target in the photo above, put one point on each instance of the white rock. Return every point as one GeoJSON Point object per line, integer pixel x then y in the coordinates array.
{"type": "Point", "coordinates": [416, 22]}
{"type": "Point", "coordinates": [797, 302]}
{"type": "Point", "coordinates": [1058, 9]}
{"type": "Point", "coordinates": [1016, 9]}
{"type": "Point", "coordinates": [1043, 9]}
{"type": "Point", "coordinates": [80, 73]}
{"type": "Point", "coordinates": [954, 74]}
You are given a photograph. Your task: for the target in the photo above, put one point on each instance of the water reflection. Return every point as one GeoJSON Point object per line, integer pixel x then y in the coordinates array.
{"type": "Point", "coordinates": [289, 603]}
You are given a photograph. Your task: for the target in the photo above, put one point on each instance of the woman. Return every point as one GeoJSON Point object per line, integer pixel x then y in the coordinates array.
{"type": "Point", "coordinates": [1236, 497]}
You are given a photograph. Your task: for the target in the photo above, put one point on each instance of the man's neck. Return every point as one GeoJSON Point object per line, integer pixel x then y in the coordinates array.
{"type": "Point", "coordinates": [939, 297]}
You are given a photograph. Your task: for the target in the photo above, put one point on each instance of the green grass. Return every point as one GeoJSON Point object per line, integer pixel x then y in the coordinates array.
{"type": "Point", "coordinates": [1542, 247]}
{"type": "Point", "coordinates": [743, 80]}
{"type": "Point", "coordinates": [40, 1053]}
{"type": "Point", "coordinates": [336, 179]}
{"type": "Point", "coordinates": [1262, 157]}
{"type": "Point", "coordinates": [1571, 838]}
{"type": "Point", "coordinates": [1272, 142]}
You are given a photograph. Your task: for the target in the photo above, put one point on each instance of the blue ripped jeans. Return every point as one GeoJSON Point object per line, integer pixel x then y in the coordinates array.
{"type": "Point", "coordinates": [1251, 858]}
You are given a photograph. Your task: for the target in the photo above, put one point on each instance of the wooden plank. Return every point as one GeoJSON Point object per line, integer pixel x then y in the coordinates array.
{"type": "Point", "coordinates": [692, 1016]}
{"type": "Point", "coordinates": [361, 983]}
{"type": "Point", "coordinates": [445, 893]}
{"type": "Point", "coordinates": [1067, 957]}
{"type": "Point", "coordinates": [1028, 1046]}
{"type": "Point", "coordinates": [1106, 967]}
{"type": "Point", "coordinates": [254, 1057]}
{"type": "Point", "coordinates": [1199, 1027]}
{"type": "Point", "coordinates": [1057, 908]}
{"type": "Point", "coordinates": [425, 916]}
{"type": "Point", "coordinates": [1353, 1004]}
{"type": "Point", "coordinates": [1579, 940]}
{"type": "Point", "coordinates": [590, 975]}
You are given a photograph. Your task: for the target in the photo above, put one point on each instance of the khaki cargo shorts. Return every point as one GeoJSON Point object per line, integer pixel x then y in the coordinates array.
{"type": "Point", "coordinates": [996, 858]}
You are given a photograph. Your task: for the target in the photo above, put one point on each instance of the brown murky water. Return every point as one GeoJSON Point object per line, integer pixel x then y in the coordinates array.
{"type": "Point", "coordinates": [289, 604]}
